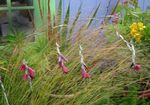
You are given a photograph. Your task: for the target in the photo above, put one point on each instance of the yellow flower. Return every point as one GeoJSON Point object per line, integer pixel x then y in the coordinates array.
{"type": "Point", "coordinates": [135, 31]}
{"type": "Point", "coordinates": [141, 26]}
{"type": "Point", "coordinates": [134, 26]}
{"type": "Point", "coordinates": [137, 34]}
{"type": "Point", "coordinates": [138, 37]}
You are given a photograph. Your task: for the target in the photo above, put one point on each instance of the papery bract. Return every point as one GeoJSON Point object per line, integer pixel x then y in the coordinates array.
{"type": "Point", "coordinates": [60, 61]}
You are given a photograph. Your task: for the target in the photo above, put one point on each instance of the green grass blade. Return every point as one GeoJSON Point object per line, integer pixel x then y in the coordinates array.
{"type": "Point", "coordinates": [76, 19]}
{"type": "Point", "coordinates": [66, 21]}
{"type": "Point", "coordinates": [59, 12]}
{"type": "Point", "coordinates": [94, 15]}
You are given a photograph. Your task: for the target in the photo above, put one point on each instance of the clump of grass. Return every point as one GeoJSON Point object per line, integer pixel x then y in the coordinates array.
{"type": "Point", "coordinates": [107, 85]}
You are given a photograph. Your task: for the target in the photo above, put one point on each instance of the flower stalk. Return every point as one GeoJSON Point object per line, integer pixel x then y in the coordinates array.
{"type": "Point", "coordinates": [61, 60]}
{"type": "Point", "coordinates": [3, 89]}
{"type": "Point", "coordinates": [85, 74]}
{"type": "Point", "coordinates": [29, 73]}
{"type": "Point", "coordinates": [131, 47]}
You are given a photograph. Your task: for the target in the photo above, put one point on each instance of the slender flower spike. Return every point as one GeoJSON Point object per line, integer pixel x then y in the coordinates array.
{"type": "Point", "coordinates": [85, 74]}
{"type": "Point", "coordinates": [130, 45]}
{"type": "Point", "coordinates": [29, 73]}
{"type": "Point", "coordinates": [61, 61]}
{"type": "Point", "coordinates": [3, 89]}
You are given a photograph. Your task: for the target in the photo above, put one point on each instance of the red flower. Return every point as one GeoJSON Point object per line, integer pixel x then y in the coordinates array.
{"type": "Point", "coordinates": [136, 67]}
{"type": "Point", "coordinates": [25, 77]}
{"type": "Point", "coordinates": [28, 72]}
{"type": "Point", "coordinates": [61, 61]}
{"type": "Point", "coordinates": [22, 67]}
{"type": "Point", "coordinates": [85, 75]}
{"type": "Point", "coordinates": [31, 72]}
{"type": "Point", "coordinates": [65, 69]}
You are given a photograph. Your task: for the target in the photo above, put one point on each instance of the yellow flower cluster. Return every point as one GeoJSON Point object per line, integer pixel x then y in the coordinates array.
{"type": "Point", "coordinates": [136, 28]}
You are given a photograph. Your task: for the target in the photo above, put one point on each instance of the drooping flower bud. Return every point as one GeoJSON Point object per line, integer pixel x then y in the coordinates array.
{"type": "Point", "coordinates": [31, 72]}
{"type": "Point", "coordinates": [61, 60]}
{"type": "Point", "coordinates": [65, 69]}
{"type": "Point", "coordinates": [115, 18]}
{"type": "Point", "coordinates": [25, 77]}
{"type": "Point", "coordinates": [28, 72]}
{"type": "Point", "coordinates": [85, 75]}
{"type": "Point", "coordinates": [22, 67]}
{"type": "Point", "coordinates": [137, 67]}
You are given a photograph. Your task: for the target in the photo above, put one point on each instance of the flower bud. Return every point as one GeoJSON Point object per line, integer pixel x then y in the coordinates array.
{"type": "Point", "coordinates": [22, 67]}
{"type": "Point", "coordinates": [137, 67]}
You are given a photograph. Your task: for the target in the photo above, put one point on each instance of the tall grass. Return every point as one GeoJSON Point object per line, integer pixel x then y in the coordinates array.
{"type": "Point", "coordinates": [108, 66]}
{"type": "Point", "coordinates": [112, 80]}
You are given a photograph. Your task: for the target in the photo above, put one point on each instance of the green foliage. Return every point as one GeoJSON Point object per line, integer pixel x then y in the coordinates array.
{"type": "Point", "coordinates": [110, 84]}
{"type": "Point", "coordinates": [131, 98]}
{"type": "Point", "coordinates": [52, 87]}
{"type": "Point", "coordinates": [146, 34]}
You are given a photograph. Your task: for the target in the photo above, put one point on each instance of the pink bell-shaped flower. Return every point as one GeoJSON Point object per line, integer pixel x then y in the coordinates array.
{"type": "Point", "coordinates": [25, 77]}
{"type": "Point", "coordinates": [22, 67]}
{"type": "Point", "coordinates": [65, 69]}
{"type": "Point", "coordinates": [136, 67]}
{"type": "Point", "coordinates": [28, 72]}
{"type": "Point", "coordinates": [31, 73]}
{"type": "Point", "coordinates": [85, 75]}
{"type": "Point", "coordinates": [115, 18]}
{"type": "Point", "coordinates": [61, 61]}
